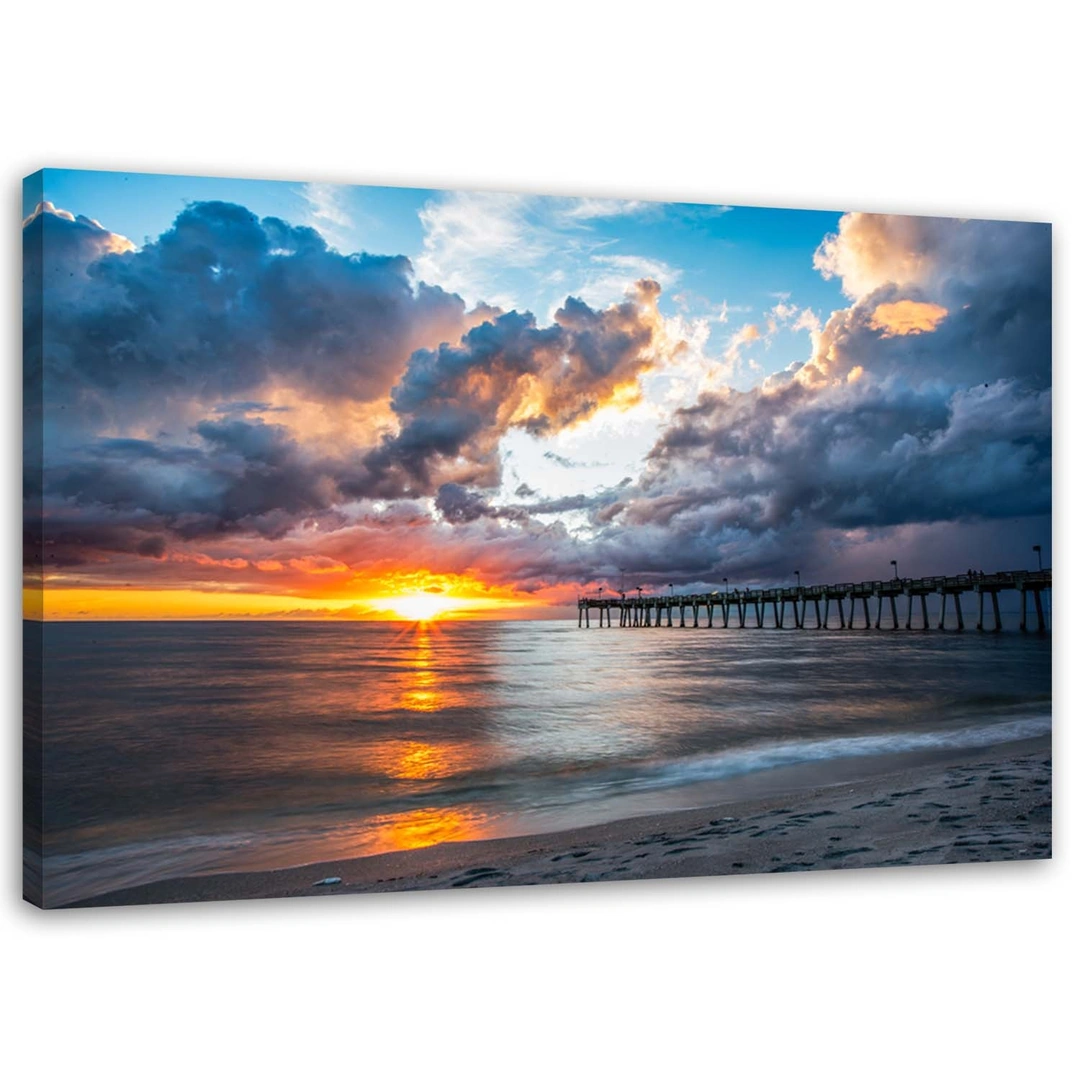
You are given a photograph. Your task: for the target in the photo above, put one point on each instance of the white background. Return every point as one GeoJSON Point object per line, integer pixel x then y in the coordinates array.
{"type": "Point", "coordinates": [935, 108]}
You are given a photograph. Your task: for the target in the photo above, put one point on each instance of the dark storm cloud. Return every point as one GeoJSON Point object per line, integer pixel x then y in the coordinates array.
{"type": "Point", "coordinates": [458, 504]}
{"type": "Point", "coordinates": [456, 402]}
{"type": "Point", "coordinates": [854, 458]}
{"type": "Point", "coordinates": [242, 476]}
{"type": "Point", "coordinates": [224, 303]}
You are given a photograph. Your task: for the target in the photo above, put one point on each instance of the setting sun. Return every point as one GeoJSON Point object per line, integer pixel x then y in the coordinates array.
{"type": "Point", "coordinates": [421, 606]}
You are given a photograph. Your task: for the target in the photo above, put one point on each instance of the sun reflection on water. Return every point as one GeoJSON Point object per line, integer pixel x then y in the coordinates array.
{"type": "Point", "coordinates": [421, 689]}
{"type": "Point", "coordinates": [414, 760]}
{"type": "Point", "coordinates": [424, 828]}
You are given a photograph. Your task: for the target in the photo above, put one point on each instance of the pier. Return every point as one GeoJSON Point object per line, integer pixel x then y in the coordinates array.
{"type": "Point", "coordinates": [790, 605]}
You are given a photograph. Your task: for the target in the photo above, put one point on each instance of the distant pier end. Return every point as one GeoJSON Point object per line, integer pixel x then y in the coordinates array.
{"type": "Point", "coordinates": [746, 608]}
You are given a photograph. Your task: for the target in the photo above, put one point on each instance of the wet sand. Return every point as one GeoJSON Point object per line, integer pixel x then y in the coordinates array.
{"type": "Point", "coordinates": [989, 806]}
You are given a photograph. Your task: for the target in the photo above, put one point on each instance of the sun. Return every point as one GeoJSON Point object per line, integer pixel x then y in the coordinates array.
{"type": "Point", "coordinates": [420, 606]}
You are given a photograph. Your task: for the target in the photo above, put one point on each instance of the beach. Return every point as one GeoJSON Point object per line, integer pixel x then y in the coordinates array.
{"type": "Point", "coordinates": [988, 806]}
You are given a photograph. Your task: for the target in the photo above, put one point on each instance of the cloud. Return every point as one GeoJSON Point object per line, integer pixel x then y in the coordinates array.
{"type": "Point", "coordinates": [80, 241]}
{"type": "Point", "coordinates": [456, 402]}
{"type": "Point", "coordinates": [457, 504]}
{"type": "Point", "coordinates": [870, 251]}
{"type": "Point", "coordinates": [904, 317]}
{"type": "Point", "coordinates": [992, 278]}
{"type": "Point", "coordinates": [570, 463]}
{"type": "Point", "coordinates": [223, 304]}
{"type": "Point", "coordinates": [609, 277]}
{"type": "Point", "coordinates": [328, 212]}
{"type": "Point", "coordinates": [590, 209]}
{"type": "Point", "coordinates": [742, 337]}
{"type": "Point", "coordinates": [925, 403]}
{"type": "Point", "coordinates": [501, 247]}
{"type": "Point", "coordinates": [238, 477]}
{"type": "Point", "coordinates": [472, 237]}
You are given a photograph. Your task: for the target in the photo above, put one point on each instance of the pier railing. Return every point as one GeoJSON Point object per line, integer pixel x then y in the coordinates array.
{"type": "Point", "coordinates": [743, 608]}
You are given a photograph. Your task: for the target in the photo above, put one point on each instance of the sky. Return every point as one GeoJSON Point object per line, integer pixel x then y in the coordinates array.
{"type": "Point", "coordinates": [266, 399]}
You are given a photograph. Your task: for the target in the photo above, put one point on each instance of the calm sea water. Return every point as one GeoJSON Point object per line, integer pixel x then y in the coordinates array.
{"type": "Point", "coordinates": [180, 748]}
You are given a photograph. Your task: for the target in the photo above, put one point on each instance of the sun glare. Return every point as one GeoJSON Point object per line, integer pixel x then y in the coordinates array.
{"type": "Point", "coordinates": [421, 606]}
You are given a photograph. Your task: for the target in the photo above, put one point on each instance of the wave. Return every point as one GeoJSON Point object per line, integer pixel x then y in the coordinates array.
{"type": "Point", "coordinates": [809, 751]}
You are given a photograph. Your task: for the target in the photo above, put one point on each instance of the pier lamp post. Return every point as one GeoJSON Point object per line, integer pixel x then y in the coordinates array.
{"type": "Point", "coordinates": [1038, 551]}
{"type": "Point", "coordinates": [798, 580]}
{"type": "Point", "coordinates": [725, 586]}
{"type": "Point", "coordinates": [895, 569]}
{"type": "Point", "coordinates": [671, 586]}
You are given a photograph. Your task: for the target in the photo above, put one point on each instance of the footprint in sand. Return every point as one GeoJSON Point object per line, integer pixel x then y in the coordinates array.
{"type": "Point", "coordinates": [845, 852]}
{"type": "Point", "coordinates": [479, 873]}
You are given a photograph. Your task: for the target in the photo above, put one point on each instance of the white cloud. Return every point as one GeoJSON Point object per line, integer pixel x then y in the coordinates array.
{"type": "Point", "coordinates": [327, 212]}
{"type": "Point", "coordinates": [472, 238]}
{"type": "Point", "coordinates": [608, 277]}
{"type": "Point", "coordinates": [579, 210]}
{"type": "Point", "coordinates": [480, 244]}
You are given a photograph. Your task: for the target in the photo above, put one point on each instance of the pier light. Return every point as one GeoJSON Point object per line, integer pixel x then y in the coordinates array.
{"type": "Point", "coordinates": [1038, 551]}
{"type": "Point", "coordinates": [895, 569]}
{"type": "Point", "coordinates": [671, 586]}
{"type": "Point", "coordinates": [798, 579]}
{"type": "Point", "coordinates": [725, 585]}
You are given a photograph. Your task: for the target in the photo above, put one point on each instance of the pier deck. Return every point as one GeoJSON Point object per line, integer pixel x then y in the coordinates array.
{"type": "Point", "coordinates": [746, 608]}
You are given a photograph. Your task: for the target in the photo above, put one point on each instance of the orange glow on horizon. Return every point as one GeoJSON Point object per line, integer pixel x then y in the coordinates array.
{"type": "Point", "coordinates": [407, 595]}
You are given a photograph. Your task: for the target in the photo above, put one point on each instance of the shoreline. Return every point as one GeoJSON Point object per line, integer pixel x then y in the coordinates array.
{"type": "Point", "coordinates": [989, 805]}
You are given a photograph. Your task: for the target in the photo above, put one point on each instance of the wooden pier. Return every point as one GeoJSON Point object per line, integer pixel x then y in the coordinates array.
{"type": "Point", "coordinates": [747, 608]}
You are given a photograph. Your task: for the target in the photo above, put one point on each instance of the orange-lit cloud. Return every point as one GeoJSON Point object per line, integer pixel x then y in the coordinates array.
{"type": "Point", "coordinates": [907, 317]}
{"type": "Point", "coordinates": [739, 340]}
{"type": "Point", "coordinates": [872, 250]}
{"type": "Point", "coordinates": [102, 240]}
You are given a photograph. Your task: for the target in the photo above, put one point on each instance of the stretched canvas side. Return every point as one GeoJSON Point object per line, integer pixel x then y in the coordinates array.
{"type": "Point", "coordinates": [33, 545]}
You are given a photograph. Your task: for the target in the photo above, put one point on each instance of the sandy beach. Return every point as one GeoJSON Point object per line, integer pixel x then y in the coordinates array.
{"type": "Point", "coordinates": [989, 806]}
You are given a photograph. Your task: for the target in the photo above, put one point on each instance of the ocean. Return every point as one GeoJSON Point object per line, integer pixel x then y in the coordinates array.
{"type": "Point", "coordinates": [183, 748]}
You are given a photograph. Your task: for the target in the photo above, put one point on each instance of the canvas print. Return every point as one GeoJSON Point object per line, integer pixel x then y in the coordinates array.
{"type": "Point", "coordinates": [383, 539]}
